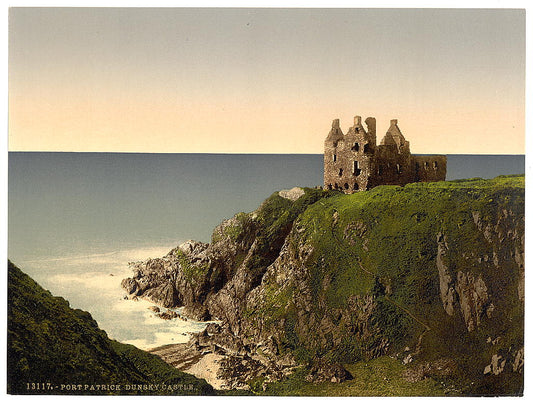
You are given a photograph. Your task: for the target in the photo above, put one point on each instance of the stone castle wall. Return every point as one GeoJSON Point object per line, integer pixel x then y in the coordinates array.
{"type": "Point", "coordinates": [354, 162]}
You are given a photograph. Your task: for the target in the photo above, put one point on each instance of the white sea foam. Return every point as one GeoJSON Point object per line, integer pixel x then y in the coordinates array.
{"type": "Point", "coordinates": [92, 282]}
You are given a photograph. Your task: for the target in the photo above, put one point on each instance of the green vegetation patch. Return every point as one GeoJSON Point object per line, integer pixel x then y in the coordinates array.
{"type": "Point", "coordinates": [384, 243]}
{"type": "Point", "coordinates": [192, 272]}
{"type": "Point", "coordinates": [380, 377]}
{"type": "Point", "coordinates": [234, 230]}
{"type": "Point", "coordinates": [51, 345]}
{"type": "Point", "coordinates": [391, 233]}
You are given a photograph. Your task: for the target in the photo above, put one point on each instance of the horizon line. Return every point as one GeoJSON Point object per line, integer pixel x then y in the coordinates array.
{"type": "Point", "coordinates": [248, 153]}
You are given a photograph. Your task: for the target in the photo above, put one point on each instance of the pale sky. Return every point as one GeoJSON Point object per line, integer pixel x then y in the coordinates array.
{"type": "Point", "coordinates": [264, 80]}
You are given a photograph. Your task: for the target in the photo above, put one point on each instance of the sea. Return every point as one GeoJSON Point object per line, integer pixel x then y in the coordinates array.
{"type": "Point", "coordinates": [75, 220]}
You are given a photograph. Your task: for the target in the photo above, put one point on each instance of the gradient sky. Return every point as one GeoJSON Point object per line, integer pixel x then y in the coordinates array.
{"type": "Point", "coordinates": [263, 80]}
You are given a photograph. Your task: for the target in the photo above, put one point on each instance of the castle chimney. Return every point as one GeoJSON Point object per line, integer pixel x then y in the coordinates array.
{"type": "Point", "coordinates": [357, 120]}
{"type": "Point", "coordinates": [335, 124]}
{"type": "Point", "coordinates": [393, 122]}
{"type": "Point", "coordinates": [371, 125]}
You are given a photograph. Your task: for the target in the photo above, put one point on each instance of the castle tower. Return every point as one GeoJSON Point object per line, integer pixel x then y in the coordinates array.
{"type": "Point", "coordinates": [332, 145]}
{"type": "Point", "coordinates": [359, 156]}
{"type": "Point", "coordinates": [335, 134]}
{"type": "Point", "coordinates": [371, 125]}
{"type": "Point", "coordinates": [348, 160]}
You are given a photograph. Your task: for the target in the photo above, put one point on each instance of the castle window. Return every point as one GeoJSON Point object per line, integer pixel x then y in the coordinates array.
{"type": "Point", "coordinates": [346, 186]}
{"type": "Point", "coordinates": [380, 170]}
{"type": "Point", "coordinates": [435, 165]}
{"type": "Point", "coordinates": [398, 168]}
{"type": "Point", "coordinates": [334, 157]}
{"type": "Point", "coordinates": [330, 187]}
{"type": "Point", "coordinates": [336, 186]}
{"type": "Point", "coordinates": [355, 147]}
{"type": "Point", "coordinates": [355, 186]}
{"type": "Point", "coordinates": [426, 165]}
{"type": "Point", "coordinates": [366, 148]}
{"type": "Point", "coordinates": [340, 172]}
{"type": "Point", "coordinates": [356, 130]}
{"type": "Point", "coordinates": [417, 166]}
{"type": "Point", "coordinates": [356, 169]}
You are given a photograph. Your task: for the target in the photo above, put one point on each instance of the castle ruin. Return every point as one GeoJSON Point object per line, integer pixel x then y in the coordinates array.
{"type": "Point", "coordinates": [355, 162]}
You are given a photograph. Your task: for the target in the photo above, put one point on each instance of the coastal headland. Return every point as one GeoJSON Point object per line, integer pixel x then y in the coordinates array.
{"type": "Point", "coordinates": [429, 274]}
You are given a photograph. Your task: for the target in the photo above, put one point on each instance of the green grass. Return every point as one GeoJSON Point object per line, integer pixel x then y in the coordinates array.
{"type": "Point", "coordinates": [193, 272]}
{"type": "Point", "coordinates": [383, 243]}
{"type": "Point", "coordinates": [273, 220]}
{"type": "Point", "coordinates": [380, 377]}
{"type": "Point", "coordinates": [401, 226]}
{"type": "Point", "coordinates": [48, 342]}
{"type": "Point", "coordinates": [233, 230]}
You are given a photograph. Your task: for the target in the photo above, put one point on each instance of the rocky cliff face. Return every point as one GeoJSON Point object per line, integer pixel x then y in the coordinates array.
{"type": "Point", "coordinates": [423, 272]}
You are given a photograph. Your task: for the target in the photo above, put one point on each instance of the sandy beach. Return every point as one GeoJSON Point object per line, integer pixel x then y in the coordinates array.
{"type": "Point", "coordinates": [188, 359]}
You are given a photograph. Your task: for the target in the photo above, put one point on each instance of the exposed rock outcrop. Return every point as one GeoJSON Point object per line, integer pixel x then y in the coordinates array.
{"type": "Point", "coordinates": [496, 366]}
{"type": "Point", "coordinates": [447, 290]}
{"type": "Point", "coordinates": [332, 372]}
{"type": "Point", "coordinates": [329, 278]}
{"type": "Point", "coordinates": [473, 298]}
{"type": "Point", "coordinates": [292, 194]}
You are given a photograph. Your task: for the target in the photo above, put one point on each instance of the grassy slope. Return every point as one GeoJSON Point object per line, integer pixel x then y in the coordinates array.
{"type": "Point", "coordinates": [386, 238]}
{"type": "Point", "coordinates": [381, 377]}
{"type": "Point", "coordinates": [48, 342]}
{"type": "Point", "coordinates": [397, 224]}
{"type": "Point", "coordinates": [276, 216]}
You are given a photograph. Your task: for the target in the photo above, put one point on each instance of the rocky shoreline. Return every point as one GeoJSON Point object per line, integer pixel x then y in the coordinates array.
{"type": "Point", "coordinates": [212, 282]}
{"type": "Point", "coordinates": [222, 367]}
{"type": "Point", "coordinates": [226, 369]}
